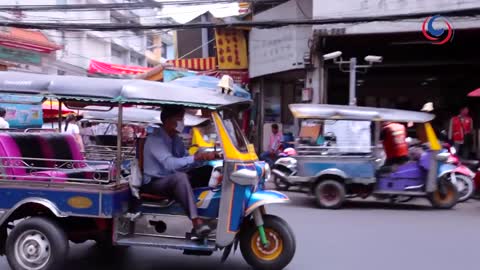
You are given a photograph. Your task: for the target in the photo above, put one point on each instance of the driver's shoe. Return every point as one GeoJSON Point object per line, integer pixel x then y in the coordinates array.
{"type": "Point", "coordinates": [201, 228]}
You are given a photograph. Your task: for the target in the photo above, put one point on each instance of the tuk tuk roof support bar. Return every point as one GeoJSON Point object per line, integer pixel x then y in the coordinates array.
{"type": "Point", "coordinates": [119, 143]}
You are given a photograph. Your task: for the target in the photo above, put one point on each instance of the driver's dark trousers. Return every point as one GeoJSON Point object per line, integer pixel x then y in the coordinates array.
{"type": "Point", "coordinates": [175, 186]}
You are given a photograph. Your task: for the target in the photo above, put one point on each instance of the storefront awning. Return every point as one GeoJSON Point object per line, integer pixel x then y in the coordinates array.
{"type": "Point", "coordinates": [27, 40]}
{"type": "Point", "coordinates": [198, 64]}
{"type": "Point", "coordinates": [109, 68]}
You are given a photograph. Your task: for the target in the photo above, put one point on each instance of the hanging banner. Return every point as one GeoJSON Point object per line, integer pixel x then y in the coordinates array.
{"type": "Point", "coordinates": [108, 68]}
{"type": "Point", "coordinates": [231, 49]}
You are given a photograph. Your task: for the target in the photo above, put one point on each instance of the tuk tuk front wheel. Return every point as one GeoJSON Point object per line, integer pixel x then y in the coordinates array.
{"type": "Point", "coordinates": [37, 244]}
{"type": "Point", "coordinates": [329, 194]}
{"type": "Point", "coordinates": [280, 249]}
{"type": "Point", "coordinates": [446, 195]}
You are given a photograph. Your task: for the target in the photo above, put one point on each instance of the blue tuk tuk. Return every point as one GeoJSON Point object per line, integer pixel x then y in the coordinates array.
{"type": "Point", "coordinates": [334, 173]}
{"type": "Point", "coordinates": [50, 194]}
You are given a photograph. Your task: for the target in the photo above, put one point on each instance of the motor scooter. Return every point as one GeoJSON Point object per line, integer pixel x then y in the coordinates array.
{"type": "Point", "coordinates": [467, 177]}
{"type": "Point", "coordinates": [285, 166]}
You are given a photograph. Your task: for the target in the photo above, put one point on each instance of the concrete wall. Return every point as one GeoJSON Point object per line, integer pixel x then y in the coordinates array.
{"type": "Point", "coordinates": [371, 8]}
{"type": "Point", "coordinates": [357, 8]}
{"type": "Point", "coordinates": [280, 49]}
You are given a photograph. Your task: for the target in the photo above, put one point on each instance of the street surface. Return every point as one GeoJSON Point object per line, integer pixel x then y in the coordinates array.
{"type": "Point", "coordinates": [364, 235]}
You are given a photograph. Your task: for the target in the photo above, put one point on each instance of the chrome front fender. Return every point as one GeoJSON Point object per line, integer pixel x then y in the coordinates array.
{"type": "Point", "coordinates": [264, 197]}
{"type": "Point", "coordinates": [33, 200]}
{"type": "Point", "coordinates": [333, 171]}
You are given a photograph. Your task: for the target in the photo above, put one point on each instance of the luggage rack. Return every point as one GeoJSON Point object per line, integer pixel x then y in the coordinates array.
{"type": "Point", "coordinates": [56, 170]}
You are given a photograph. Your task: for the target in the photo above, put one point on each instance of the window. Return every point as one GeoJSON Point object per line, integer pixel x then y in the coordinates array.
{"type": "Point", "coordinates": [164, 50]}
{"type": "Point", "coordinates": [61, 2]}
{"type": "Point", "coordinates": [235, 133]}
{"type": "Point", "coordinates": [116, 52]}
{"type": "Point", "coordinates": [133, 59]}
{"type": "Point", "coordinates": [150, 41]}
{"type": "Point", "coordinates": [114, 19]}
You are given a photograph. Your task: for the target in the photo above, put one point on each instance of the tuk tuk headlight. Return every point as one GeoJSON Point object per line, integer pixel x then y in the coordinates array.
{"type": "Point", "coordinates": [268, 172]}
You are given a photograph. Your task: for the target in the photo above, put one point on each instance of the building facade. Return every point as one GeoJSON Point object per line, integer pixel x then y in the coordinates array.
{"type": "Point", "coordinates": [414, 70]}
{"type": "Point", "coordinates": [277, 67]}
{"type": "Point", "coordinates": [131, 48]}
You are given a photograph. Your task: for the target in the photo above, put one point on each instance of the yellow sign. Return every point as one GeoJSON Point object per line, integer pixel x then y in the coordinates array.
{"type": "Point", "coordinates": [80, 202]}
{"type": "Point", "coordinates": [231, 49]}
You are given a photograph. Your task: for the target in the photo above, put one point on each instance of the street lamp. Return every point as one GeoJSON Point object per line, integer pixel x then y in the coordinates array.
{"type": "Point", "coordinates": [370, 59]}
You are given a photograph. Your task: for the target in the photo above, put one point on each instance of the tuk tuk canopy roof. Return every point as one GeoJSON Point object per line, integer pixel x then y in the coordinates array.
{"type": "Point", "coordinates": [344, 112]}
{"type": "Point", "coordinates": [74, 88]}
{"type": "Point", "coordinates": [136, 115]}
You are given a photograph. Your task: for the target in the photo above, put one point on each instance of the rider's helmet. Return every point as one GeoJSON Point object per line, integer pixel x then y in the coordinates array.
{"type": "Point", "coordinates": [290, 151]}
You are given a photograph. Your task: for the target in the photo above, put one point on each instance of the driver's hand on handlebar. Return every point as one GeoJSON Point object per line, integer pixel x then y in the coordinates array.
{"type": "Point", "coordinates": [204, 156]}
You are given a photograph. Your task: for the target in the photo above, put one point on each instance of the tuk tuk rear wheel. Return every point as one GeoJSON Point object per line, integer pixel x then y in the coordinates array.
{"type": "Point", "coordinates": [329, 194]}
{"type": "Point", "coordinates": [445, 199]}
{"type": "Point", "coordinates": [277, 254]}
{"type": "Point", "coordinates": [37, 244]}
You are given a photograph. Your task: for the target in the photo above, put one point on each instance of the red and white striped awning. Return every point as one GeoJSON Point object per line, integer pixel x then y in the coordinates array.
{"type": "Point", "coordinates": [209, 63]}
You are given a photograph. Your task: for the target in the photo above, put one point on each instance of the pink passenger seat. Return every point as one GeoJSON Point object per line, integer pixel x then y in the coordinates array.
{"type": "Point", "coordinates": [37, 150]}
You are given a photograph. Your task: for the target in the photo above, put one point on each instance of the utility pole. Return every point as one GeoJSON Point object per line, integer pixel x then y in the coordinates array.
{"type": "Point", "coordinates": [352, 95]}
{"type": "Point", "coordinates": [205, 42]}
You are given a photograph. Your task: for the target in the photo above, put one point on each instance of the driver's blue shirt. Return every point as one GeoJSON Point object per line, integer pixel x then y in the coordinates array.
{"type": "Point", "coordinates": [164, 155]}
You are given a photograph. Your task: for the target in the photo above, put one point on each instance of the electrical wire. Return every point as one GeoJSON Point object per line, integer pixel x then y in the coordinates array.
{"type": "Point", "coordinates": [196, 49]}
{"type": "Point", "coordinates": [125, 6]}
{"type": "Point", "coordinates": [123, 36]}
{"type": "Point", "coordinates": [254, 24]}
{"type": "Point", "coordinates": [159, 15]}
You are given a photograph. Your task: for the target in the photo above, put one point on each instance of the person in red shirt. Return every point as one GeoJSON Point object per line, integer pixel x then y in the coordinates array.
{"type": "Point", "coordinates": [393, 138]}
{"type": "Point", "coordinates": [460, 132]}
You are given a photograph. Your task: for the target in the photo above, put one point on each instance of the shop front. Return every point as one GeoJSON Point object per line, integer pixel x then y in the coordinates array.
{"type": "Point", "coordinates": [414, 71]}
{"type": "Point", "coordinates": [25, 50]}
{"type": "Point", "coordinates": [277, 73]}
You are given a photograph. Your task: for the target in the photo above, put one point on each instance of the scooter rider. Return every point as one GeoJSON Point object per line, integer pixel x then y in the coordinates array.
{"type": "Point", "coordinates": [394, 143]}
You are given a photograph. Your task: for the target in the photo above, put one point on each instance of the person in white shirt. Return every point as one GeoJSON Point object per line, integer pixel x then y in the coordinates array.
{"type": "Point", "coordinates": [3, 123]}
{"type": "Point", "coordinates": [71, 127]}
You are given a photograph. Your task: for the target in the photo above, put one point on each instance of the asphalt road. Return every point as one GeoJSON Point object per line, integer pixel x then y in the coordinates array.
{"type": "Point", "coordinates": [364, 235]}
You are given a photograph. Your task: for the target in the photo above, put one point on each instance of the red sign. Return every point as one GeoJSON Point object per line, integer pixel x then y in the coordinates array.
{"type": "Point", "coordinates": [107, 68]}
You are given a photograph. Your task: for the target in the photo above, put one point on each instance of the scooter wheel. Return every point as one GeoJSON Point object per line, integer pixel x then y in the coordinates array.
{"type": "Point", "coordinates": [445, 197]}
{"type": "Point", "coordinates": [280, 184]}
{"type": "Point", "coordinates": [330, 194]}
{"type": "Point", "coordinates": [465, 187]}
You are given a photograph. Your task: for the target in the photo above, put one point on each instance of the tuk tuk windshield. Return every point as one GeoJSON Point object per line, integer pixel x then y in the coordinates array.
{"type": "Point", "coordinates": [234, 132]}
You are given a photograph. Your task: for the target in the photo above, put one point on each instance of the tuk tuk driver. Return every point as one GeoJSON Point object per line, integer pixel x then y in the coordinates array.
{"type": "Point", "coordinates": [166, 162]}
{"type": "Point", "coordinates": [393, 138]}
